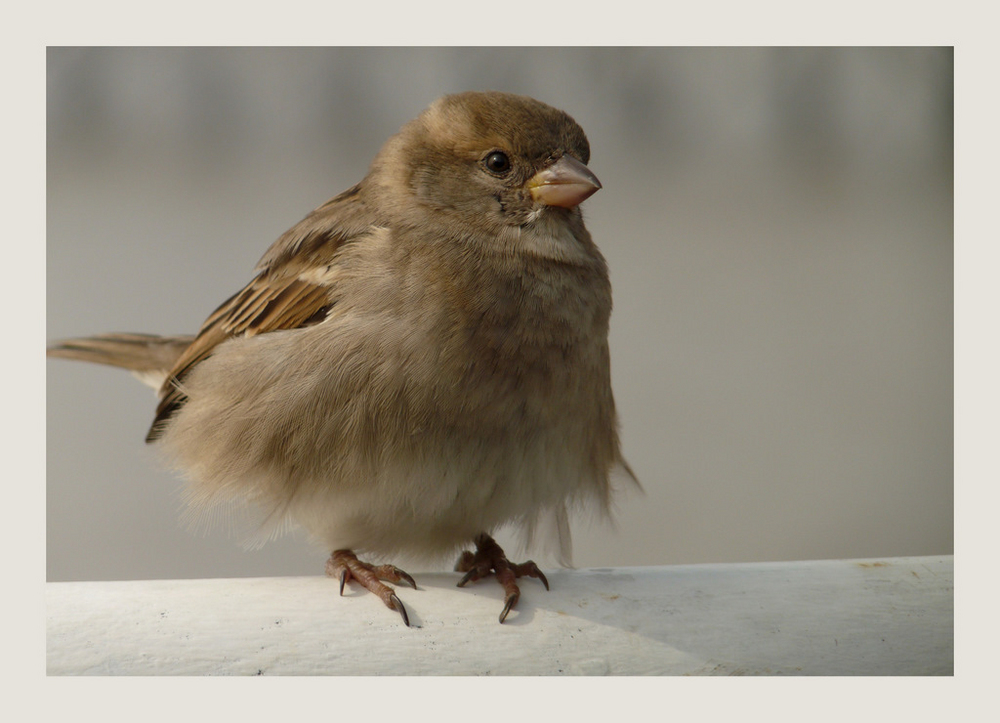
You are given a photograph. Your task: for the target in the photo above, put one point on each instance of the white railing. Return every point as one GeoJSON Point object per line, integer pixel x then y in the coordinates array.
{"type": "Point", "coordinates": [891, 616]}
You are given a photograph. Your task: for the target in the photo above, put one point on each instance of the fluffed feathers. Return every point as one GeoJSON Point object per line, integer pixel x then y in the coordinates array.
{"type": "Point", "coordinates": [421, 359]}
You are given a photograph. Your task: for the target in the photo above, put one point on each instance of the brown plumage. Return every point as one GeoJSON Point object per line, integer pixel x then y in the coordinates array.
{"type": "Point", "coordinates": [419, 361]}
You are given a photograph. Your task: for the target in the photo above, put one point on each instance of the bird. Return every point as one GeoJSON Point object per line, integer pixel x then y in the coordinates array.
{"type": "Point", "coordinates": [421, 360]}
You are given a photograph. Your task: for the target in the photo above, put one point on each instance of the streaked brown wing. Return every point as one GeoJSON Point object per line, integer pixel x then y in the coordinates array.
{"type": "Point", "coordinates": [261, 307]}
{"type": "Point", "coordinates": [291, 291]}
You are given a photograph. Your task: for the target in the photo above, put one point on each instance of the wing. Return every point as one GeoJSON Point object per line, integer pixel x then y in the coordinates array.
{"type": "Point", "coordinates": [292, 289]}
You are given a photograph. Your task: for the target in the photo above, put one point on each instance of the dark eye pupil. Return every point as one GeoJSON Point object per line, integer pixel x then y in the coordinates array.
{"type": "Point", "coordinates": [497, 162]}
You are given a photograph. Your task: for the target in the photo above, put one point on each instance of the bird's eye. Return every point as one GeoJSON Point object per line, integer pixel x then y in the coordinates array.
{"type": "Point", "coordinates": [497, 162]}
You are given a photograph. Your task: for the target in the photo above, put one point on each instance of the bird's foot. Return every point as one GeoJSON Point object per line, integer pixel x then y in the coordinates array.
{"type": "Point", "coordinates": [489, 557]}
{"type": "Point", "coordinates": [344, 565]}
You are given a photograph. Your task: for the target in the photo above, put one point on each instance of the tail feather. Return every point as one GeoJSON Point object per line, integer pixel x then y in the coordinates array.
{"type": "Point", "coordinates": [147, 356]}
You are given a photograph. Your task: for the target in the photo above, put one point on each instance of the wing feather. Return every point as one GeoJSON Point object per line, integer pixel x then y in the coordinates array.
{"type": "Point", "coordinates": [293, 289]}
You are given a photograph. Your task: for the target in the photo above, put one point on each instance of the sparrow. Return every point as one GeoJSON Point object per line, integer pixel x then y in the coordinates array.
{"type": "Point", "coordinates": [418, 362]}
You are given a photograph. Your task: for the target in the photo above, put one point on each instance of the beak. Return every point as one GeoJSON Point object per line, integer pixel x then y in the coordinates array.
{"type": "Point", "coordinates": [566, 183]}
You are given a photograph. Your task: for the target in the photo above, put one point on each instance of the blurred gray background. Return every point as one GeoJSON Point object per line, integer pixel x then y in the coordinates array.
{"type": "Point", "coordinates": [778, 224]}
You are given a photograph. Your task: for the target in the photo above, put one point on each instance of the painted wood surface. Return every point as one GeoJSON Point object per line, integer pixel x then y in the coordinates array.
{"type": "Point", "coordinates": [891, 616]}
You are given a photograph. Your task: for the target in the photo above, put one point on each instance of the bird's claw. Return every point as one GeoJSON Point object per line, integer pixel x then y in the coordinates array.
{"type": "Point", "coordinates": [344, 565]}
{"type": "Point", "coordinates": [396, 604]}
{"type": "Point", "coordinates": [530, 569]}
{"type": "Point", "coordinates": [509, 601]}
{"type": "Point", "coordinates": [490, 558]}
{"type": "Point", "coordinates": [403, 577]}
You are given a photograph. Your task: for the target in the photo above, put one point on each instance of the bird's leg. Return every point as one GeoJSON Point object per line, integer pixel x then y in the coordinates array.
{"type": "Point", "coordinates": [344, 565]}
{"type": "Point", "coordinates": [490, 558]}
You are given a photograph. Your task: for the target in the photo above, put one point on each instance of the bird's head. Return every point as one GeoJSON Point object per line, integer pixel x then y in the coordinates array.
{"type": "Point", "coordinates": [490, 162]}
